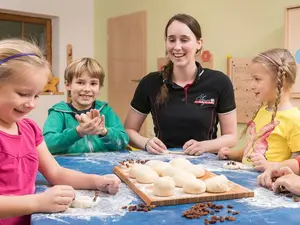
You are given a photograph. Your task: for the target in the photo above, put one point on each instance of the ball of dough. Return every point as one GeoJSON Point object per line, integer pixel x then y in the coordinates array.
{"type": "Point", "coordinates": [146, 175]}
{"type": "Point", "coordinates": [182, 177]}
{"type": "Point", "coordinates": [217, 184]}
{"type": "Point", "coordinates": [197, 170]}
{"type": "Point", "coordinates": [180, 163]}
{"type": "Point", "coordinates": [136, 167]}
{"type": "Point", "coordinates": [170, 171]}
{"type": "Point", "coordinates": [194, 187]}
{"type": "Point", "coordinates": [157, 165]}
{"type": "Point", "coordinates": [164, 187]}
{"type": "Point", "coordinates": [84, 202]}
{"type": "Point", "coordinates": [85, 118]}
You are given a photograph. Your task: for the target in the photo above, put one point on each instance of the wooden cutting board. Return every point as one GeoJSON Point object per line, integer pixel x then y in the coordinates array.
{"type": "Point", "coordinates": [144, 191]}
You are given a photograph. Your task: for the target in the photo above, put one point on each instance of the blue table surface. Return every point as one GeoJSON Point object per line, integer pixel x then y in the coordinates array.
{"type": "Point", "coordinates": [265, 208]}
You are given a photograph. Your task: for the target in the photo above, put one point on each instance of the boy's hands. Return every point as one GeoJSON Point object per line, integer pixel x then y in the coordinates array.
{"type": "Point", "coordinates": [91, 123]}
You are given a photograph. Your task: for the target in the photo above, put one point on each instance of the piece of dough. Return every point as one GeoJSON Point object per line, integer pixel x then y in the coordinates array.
{"type": "Point", "coordinates": [170, 171]}
{"type": "Point", "coordinates": [232, 165]}
{"type": "Point", "coordinates": [157, 165]}
{"type": "Point", "coordinates": [146, 175]}
{"type": "Point", "coordinates": [180, 163]}
{"type": "Point", "coordinates": [85, 118]}
{"type": "Point", "coordinates": [194, 187]}
{"type": "Point", "coordinates": [164, 187]}
{"type": "Point", "coordinates": [134, 168]}
{"type": "Point", "coordinates": [217, 184]}
{"type": "Point", "coordinates": [197, 170]}
{"type": "Point", "coordinates": [182, 177]}
{"type": "Point", "coordinates": [84, 202]}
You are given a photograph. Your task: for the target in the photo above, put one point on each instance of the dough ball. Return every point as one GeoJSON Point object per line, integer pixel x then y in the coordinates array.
{"type": "Point", "coordinates": [182, 177]}
{"type": "Point", "coordinates": [84, 202]}
{"type": "Point", "coordinates": [146, 175]}
{"type": "Point", "coordinates": [180, 163]}
{"type": "Point", "coordinates": [170, 171]}
{"type": "Point", "coordinates": [85, 118]}
{"type": "Point", "coordinates": [194, 187]}
{"type": "Point", "coordinates": [231, 165]}
{"type": "Point", "coordinates": [136, 167]}
{"type": "Point", "coordinates": [164, 187]}
{"type": "Point", "coordinates": [217, 184]}
{"type": "Point", "coordinates": [157, 165]}
{"type": "Point", "coordinates": [197, 170]}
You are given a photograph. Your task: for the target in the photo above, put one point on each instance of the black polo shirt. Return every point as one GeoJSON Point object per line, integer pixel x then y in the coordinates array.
{"type": "Point", "coordinates": [191, 112]}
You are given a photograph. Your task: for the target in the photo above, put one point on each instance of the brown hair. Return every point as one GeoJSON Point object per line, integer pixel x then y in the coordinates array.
{"type": "Point", "coordinates": [16, 52]}
{"type": "Point", "coordinates": [77, 67]}
{"type": "Point", "coordinates": [282, 65]}
{"type": "Point", "coordinates": [167, 70]}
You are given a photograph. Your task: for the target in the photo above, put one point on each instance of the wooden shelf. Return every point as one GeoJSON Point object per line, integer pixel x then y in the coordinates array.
{"type": "Point", "coordinates": [52, 93]}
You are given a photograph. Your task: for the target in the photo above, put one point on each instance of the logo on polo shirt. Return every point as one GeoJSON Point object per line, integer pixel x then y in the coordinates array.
{"type": "Point", "coordinates": [204, 100]}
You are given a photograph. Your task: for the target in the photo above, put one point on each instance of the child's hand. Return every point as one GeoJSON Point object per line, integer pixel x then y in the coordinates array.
{"type": "Point", "coordinates": [265, 179]}
{"type": "Point", "coordinates": [259, 162]}
{"type": "Point", "coordinates": [288, 180]}
{"type": "Point", "coordinates": [93, 113]}
{"type": "Point", "coordinates": [91, 127]}
{"type": "Point", "coordinates": [109, 183]}
{"type": "Point", "coordinates": [224, 153]}
{"type": "Point", "coordinates": [55, 199]}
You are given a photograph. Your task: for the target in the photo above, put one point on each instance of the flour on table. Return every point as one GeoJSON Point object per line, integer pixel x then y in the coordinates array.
{"type": "Point", "coordinates": [264, 198]}
{"type": "Point", "coordinates": [108, 206]}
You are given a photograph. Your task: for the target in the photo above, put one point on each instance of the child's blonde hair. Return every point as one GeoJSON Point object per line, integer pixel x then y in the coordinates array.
{"type": "Point", "coordinates": [282, 66]}
{"type": "Point", "coordinates": [77, 67]}
{"type": "Point", "coordinates": [16, 52]}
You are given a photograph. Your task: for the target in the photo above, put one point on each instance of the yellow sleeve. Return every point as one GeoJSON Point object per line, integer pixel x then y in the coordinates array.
{"type": "Point", "coordinates": [293, 140]}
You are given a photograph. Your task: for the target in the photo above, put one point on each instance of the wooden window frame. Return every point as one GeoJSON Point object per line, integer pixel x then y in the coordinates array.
{"type": "Point", "coordinates": [35, 20]}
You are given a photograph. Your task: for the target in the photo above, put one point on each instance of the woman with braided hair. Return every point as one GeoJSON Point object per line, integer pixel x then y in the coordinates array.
{"type": "Point", "coordinates": [186, 101]}
{"type": "Point", "coordinates": [274, 132]}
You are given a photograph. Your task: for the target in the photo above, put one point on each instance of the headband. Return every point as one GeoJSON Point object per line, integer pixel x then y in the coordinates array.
{"type": "Point", "coordinates": [16, 56]}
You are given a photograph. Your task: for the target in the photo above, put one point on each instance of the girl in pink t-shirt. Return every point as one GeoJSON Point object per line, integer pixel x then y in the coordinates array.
{"type": "Point", "coordinates": [23, 76]}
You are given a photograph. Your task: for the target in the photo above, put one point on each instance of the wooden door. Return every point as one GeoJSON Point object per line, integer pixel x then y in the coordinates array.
{"type": "Point", "coordinates": [126, 60]}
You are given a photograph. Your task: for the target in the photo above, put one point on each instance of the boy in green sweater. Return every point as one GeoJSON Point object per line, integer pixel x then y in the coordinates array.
{"type": "Point", "coordinates": [85, 124]}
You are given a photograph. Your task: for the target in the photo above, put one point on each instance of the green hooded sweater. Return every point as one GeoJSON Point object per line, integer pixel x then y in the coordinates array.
{"type": "Point", "coordinates": [61, 136]}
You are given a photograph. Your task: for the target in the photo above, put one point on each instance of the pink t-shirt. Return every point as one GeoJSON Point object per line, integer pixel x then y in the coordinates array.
{"type": "Point", "coordinates": [19, 164]}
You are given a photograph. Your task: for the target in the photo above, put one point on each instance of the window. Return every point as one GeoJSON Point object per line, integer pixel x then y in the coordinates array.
{"type": "Point", "coordinates": [28, 28]}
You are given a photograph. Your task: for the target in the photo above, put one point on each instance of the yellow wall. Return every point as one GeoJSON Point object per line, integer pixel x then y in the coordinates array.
{"type": "Point", "coordinates": [240, 28]}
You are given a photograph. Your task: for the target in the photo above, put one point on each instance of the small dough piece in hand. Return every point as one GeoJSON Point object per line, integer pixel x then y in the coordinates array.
{"type": "Point", "coordinates": [84, 202]}
{"type": "Point", "coordinates": [146, 175]}
{"type": "Point", "coordinates": [194, 187]}
{"type": "Point", "coordinates": [157, 165]}
{"type": "Point", "coordinates": [164, 187]}
{"type": "Point", "coordinates": [180, 163]}
{"type": "Point", "coordinates": [182, 177]}
{"type": "Point", "coordinates": [217, 184]}
{"type": "Point", "coordinates": [85, 118]}
{"type": "Point", "coordinates": [197, 170]}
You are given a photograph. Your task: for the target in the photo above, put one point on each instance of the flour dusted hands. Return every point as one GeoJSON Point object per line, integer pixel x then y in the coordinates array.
{"type": "Point", "coordinates": [155, 146]}
{"type": "Point", "coordinates": [289, 180]}
{"type": "Point", "coordinates": [284, 177]}
{"type": "Point", "coordinates": [55, 199]}
{"type": "Point", "coordinates": [193, 147]}
{"type": "Point", "coordinates": [91, 123]}
{"type": "Point", "coordinates": [109, 183]}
